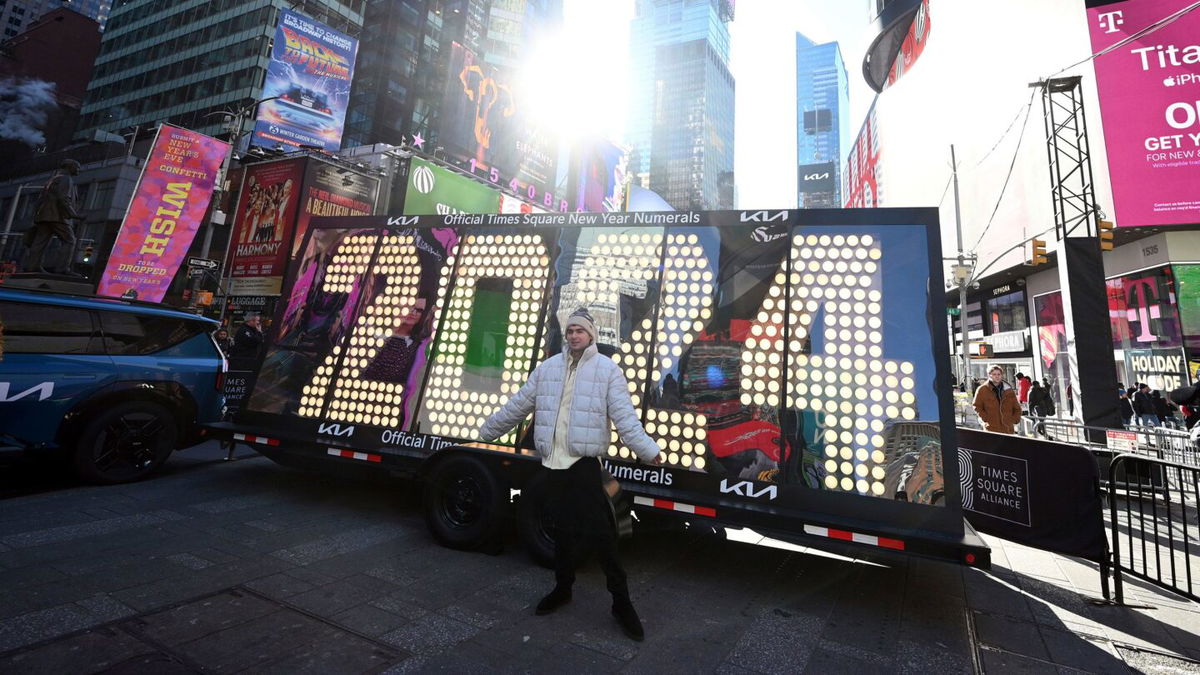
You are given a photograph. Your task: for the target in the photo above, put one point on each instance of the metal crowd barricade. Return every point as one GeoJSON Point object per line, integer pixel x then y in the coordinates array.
{"type": "Point", "coordinates": [1157, 540]}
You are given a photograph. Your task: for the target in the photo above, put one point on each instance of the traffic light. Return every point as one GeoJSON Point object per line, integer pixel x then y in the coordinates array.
{"type": "Point", "coordinates": [1038, 250]}
{"type": "Point", "coordinates": [1105, 230]}
{"type": "Point", "coordinates": [88, 252]}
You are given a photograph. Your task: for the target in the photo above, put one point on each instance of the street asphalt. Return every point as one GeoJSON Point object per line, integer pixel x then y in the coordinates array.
{"type": "Point", "coordinates": [218, 566]}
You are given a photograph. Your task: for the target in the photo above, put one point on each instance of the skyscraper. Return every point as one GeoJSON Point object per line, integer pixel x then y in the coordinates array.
{"type": "Point", "coordinates": [822, 123]}
{"type": "Point", "coordinates": [179, 61]}
{"type": "Point", "coordinates": [17, 15]}
{"type": "Point", "coordinates": [405, 55]}
{"type": "Point", "coordinates": [680, 122]}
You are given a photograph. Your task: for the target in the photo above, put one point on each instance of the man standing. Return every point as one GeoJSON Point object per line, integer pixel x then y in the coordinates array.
{"type": "Point", "coordinates": [1143, 405]}
{"type": "Point", "coordinates": [1125, 406]}
{"type": "Point", "coordinates": [996, 403]}
{"type": "Point", "coordinates": [248, 338]}
{"type": "Point", "coordinates": [56, 204]}
{"type": "Point", "coordinates": [575, 395]}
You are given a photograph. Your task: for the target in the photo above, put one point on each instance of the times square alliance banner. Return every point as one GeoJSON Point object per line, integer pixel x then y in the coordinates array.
{"type": "Point", "coordinates": [167, 208]}
{"type": "Point", "coordinates": [1150, 100]}
{"type": "Point", "coordinates": [310, 73]}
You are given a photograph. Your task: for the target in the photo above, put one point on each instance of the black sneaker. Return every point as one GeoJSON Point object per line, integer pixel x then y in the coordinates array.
{"type": "Point", "coordinates": [628, 618]}
{"type": "Point", "coordinates": [555, 599]}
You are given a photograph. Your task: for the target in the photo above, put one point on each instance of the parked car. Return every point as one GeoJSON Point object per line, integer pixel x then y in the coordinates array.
{"type": "Point", "coordinates": [112, 386]}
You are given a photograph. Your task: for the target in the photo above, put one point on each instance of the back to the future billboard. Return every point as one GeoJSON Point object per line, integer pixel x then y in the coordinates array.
{"type": "Point", "coordinates": [308, 81]}
{"type": "Point", "coordinates": [1150, 100]}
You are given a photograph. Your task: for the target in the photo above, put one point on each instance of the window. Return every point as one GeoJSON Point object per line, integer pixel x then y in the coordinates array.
{"type": "Point", "coordinates": [32, 328]}
{"type": "Point", "coordinates": [1007, 312]}
{"type": "Point", "coordinates": [130, 334]}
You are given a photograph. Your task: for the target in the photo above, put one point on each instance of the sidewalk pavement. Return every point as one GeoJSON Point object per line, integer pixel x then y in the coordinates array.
{"type": "Point", "coordinates": [245, 566]}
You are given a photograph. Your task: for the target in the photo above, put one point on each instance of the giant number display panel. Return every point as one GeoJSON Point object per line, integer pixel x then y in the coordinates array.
{"type": "Point", "coordinates": [773, 352]}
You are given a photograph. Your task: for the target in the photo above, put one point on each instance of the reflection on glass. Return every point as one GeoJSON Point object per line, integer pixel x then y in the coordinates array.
{"type": "Point", "coordinates": [296, 374]}
{"type": "Point", "coordinates": [385, 358]}
{"type": "Point", "coordinates": [460, 395]}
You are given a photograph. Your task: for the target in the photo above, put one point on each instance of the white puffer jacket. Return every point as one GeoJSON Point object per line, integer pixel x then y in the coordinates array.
{"type": "Point", "coordinates": [601, 394]}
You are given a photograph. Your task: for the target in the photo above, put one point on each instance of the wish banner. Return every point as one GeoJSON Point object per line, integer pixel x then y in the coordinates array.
{"type": "Point", "coordinates": [1041, 494]}
{"type": "Point", "coordinates": [167, 208]}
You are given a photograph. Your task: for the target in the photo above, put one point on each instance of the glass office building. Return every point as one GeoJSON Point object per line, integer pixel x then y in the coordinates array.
{"type": "Point", "coordinates": [822, 123]}
{"type": "Point", "coordinates": [179, 61]}
{"type": "Point", "coordinates": [403, 64]}
{"type": "Point", "coordinates": [680, 121]}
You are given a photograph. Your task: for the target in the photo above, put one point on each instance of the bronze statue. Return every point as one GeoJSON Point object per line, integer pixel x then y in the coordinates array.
{"type": "Point", "coordinates": [56, 204]}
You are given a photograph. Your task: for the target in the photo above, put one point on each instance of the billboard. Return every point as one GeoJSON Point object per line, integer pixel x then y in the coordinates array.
{"type": "Point", "coordinates": [816, 185]}
{"type": "Point", "coordinates": [309, 77]}
{"type": "Point", "coordinates": [330, 190]}
{"type": "Point", "coordinates": [485, 128]}
{"type": "Point", "coordinates": [1149, 95]}
{"type": "Point", "coordinates": [863, 184]}
{"type": "Point", "coordinates": [263, 222]}
{"type": "Point", "coordinates": [600, 169]}
{"type": "Point", "coordinates": [433, 190]}
{"type": "Point", "coordinates": [167, 207]}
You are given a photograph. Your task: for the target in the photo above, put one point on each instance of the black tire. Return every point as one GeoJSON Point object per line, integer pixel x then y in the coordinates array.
{"type": "Point", "coordinates": [532, 525]}
{"type": "Point", "coordinates": [125, 442]}
{"type": "Point", "coordinates": [465, 504]}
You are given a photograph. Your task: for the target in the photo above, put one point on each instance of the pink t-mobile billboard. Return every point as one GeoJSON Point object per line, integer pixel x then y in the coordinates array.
{"type": "Point", "coordinates": [1150, 101]}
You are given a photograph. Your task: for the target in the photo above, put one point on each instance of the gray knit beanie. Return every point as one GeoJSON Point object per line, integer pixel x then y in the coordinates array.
{"type": "Point", "coordinates": [582, 318]}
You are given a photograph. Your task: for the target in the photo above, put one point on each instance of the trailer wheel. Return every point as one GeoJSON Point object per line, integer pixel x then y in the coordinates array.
{"type": "Point", "coordinates": [532, 526]}
{"type": "Point", "coordinates": [465, 504]}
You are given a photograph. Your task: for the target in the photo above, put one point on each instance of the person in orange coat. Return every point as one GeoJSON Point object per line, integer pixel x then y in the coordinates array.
{"type": "Point", "coordinates": [996, 403]}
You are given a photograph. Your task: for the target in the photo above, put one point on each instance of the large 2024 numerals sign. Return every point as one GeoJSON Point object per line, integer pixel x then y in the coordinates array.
{"type": "Point", "coordinates": [835, 278]}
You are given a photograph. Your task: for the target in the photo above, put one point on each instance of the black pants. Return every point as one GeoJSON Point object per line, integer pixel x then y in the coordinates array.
{"type": "Point", "coordinates": [582, 523]}
{"type": "Point", "coordinates": [42, 236]}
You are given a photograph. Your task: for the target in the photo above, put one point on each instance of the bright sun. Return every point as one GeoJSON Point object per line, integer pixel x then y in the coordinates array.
{"type": "Point", "coordinates": [576, 81]}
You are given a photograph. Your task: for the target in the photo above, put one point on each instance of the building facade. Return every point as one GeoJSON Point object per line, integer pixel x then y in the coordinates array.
{"type": "Point", "coordinates": [18, 15]}
{"type": "Point", "coordinates": [680, 48]}
{"type": "Point", "coordinates": [822, 123]}
{"type": "Point", "coordinates": [1016, 319]}
{"type": "Point", "coordinates": [180, 62]}
{"type": "Point", "coordinates": [405, 54]}
{"type": "Point", "coordinates": [58, 48]}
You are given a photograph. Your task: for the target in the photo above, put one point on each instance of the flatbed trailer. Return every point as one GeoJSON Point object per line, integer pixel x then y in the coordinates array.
{"type": "Point", "coordinates": [791, 365]}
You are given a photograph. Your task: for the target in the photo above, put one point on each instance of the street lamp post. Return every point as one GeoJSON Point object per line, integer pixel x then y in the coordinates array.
{"type": "Point", "coordinates": [236, 122]}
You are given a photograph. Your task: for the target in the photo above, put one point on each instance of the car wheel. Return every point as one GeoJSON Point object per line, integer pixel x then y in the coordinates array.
{"type": "Point", "coordinates": [533, 528]}
{"type": "Point", "coordinates": [125, 442]}
{"type": "Point", "coordinates": [465, 505]}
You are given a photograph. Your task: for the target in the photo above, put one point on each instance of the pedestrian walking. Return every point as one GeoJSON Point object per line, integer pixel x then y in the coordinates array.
{"type": "Point", "coordinates": [1125, 406]}
{"type": "Point", "coordinates": [575, 395]}
{"type": "Point", "coordinates": [224, 342]}
{"type": "Point", "coordinates": [1162, 410]}
{"type": "Point", "coordinates": [996, 403]}
{"type": "Point", "coordinates": [1024, 384]}
{"type": "Point", "coordinates": [248, 339]}
{"type": "Point", "coordinates": [1041, 405]}
{"type": "Point", "coordinates": [1143, 405]}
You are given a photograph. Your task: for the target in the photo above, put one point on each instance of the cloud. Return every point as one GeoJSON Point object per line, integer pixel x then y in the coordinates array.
{"type": "Point", "coordinates": [24, 107]}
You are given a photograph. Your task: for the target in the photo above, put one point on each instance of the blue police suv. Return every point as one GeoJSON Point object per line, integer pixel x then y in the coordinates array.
{"type": "Point", "coordinates": [111, 386]}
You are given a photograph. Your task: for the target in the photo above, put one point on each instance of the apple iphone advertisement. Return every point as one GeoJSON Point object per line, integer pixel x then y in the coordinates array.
{"type": "Point", "coordinates": [1150, 101]}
